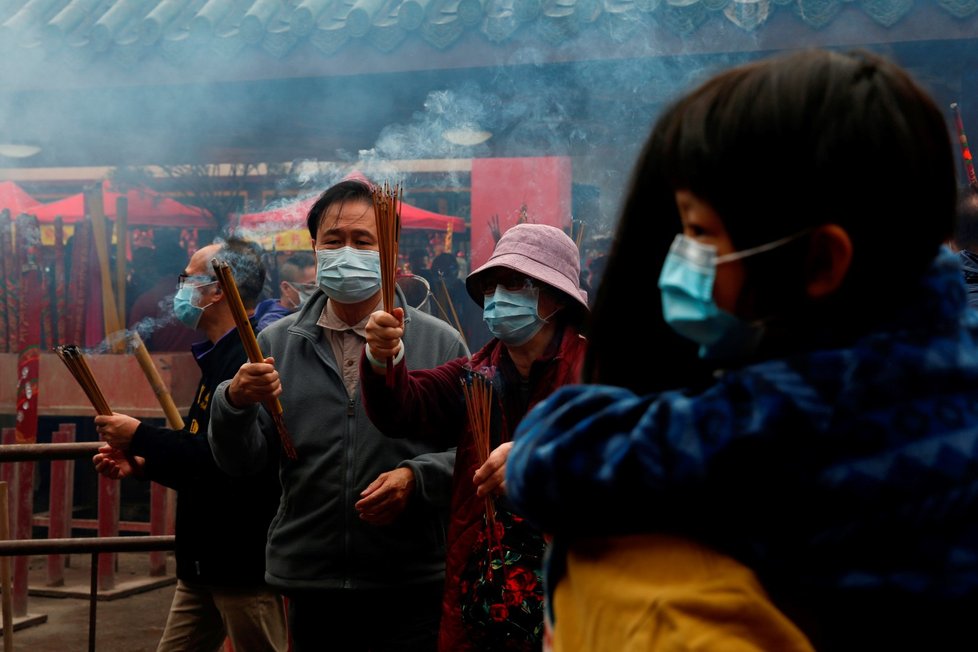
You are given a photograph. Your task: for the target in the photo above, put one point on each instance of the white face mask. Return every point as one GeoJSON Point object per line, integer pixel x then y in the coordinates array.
{"type": "Point", "coordinates": [348, 275]}
{"type": "Point", "coordinates": [304, 292]}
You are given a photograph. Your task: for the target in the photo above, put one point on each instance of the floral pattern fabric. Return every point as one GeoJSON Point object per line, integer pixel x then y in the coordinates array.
{"type": "Point", "coordinates": [501, 587]}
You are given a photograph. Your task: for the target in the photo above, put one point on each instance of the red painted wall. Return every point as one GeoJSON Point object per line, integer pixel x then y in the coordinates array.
{"type": "Point", "coordinates": [501, 186]}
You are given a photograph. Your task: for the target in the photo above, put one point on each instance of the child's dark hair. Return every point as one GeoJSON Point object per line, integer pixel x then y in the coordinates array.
{"type": "Point", "coordinates": [777, 147]}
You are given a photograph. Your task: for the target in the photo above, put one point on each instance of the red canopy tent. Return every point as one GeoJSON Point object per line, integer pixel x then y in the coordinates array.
{"type": "Point", "coordinates": [293, 216]}
{"type": "Point", "coordinates": [15, 199]}
{"type": "Point", "coordinates": [284, 228]}
{"type": "Point", "coordinates": [146, 208]}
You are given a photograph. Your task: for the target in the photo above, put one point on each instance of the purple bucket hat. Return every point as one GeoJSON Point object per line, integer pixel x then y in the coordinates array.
{"type": "Point", "coordinates": [542, 252]}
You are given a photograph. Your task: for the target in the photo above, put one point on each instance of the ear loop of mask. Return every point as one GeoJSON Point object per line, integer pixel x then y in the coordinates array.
{"type": "Point", "coordinates": [197, 293]}
{"type": "Point", "coordinates": [759, 249]}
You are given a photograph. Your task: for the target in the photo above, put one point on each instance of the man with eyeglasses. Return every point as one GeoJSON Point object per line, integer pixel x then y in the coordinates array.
{"type": "Point", "coordinates": [221, 521]}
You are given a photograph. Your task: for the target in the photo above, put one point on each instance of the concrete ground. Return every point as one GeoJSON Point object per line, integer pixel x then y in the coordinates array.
{"type": "Point", "coordinates": [126, 624]}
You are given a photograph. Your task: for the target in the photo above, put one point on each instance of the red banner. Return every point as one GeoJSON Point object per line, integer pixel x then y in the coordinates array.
{"type": "Point", "coordinates": [28, 364]}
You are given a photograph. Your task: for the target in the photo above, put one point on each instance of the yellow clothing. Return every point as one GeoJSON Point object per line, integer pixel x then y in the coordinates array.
{"type": "Point", "coordinates": [664, 593]}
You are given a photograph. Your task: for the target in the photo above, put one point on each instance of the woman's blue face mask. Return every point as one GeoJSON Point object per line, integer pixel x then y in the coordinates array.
{"type": "Point", "coordinates": [686, 284]}
{"type": "Point", "coordinates": [512, 315]}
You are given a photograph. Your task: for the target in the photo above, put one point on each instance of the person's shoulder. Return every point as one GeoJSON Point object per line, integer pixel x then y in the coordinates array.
{"type": "Point", "coordinates": [279, 327]}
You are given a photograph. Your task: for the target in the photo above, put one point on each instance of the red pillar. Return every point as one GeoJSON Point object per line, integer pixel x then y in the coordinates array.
{"type": "Point", "coordinates": [60, 504]}
{"type": "Point", "coordinates": [28, 371]}
{"type": "Point", "coordinates": [10, 473]}
{"type": "Point", "coordinates": [108, 526]}
{"type": "Point", "coordinates": [157, 527]}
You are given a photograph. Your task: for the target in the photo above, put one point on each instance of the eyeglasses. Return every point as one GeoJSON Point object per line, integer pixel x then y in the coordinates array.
{"type": "Point", "coordinates": [307, 288]}
{"type": "Point", "coordinates": [512, 282]}
{"type": "Point", "coordinates": [194, 280]}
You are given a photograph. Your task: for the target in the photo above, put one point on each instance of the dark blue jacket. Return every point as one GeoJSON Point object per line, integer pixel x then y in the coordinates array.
{"type": "Point", "coordinates": [969, 267]}
{"type": "Point", "coordinates": [847, 478]}
{"type": "Point", "coordinates": [222, 522]}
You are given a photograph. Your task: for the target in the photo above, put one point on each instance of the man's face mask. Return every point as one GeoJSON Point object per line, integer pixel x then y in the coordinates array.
{"type": "Point", "coordinates": [185, 304]}
{"type": "Point", "coordinates": [348, 275]}
{"type": "Point", "coordinates": [686, 284]}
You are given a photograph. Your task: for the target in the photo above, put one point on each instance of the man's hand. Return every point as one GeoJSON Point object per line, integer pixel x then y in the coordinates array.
{"type": "Point", "coordinates": [254, 382]}
{"type": "Point", "coordinates": [491, 476]}
{"type": "Point", "coordinates": [113, 463]}
{"type": "Point", "coordinates": [384, 331]}
{"type": "Point", "coordinates": [117, 430]}
{"type": "Point", "coordinates": [386, 497]}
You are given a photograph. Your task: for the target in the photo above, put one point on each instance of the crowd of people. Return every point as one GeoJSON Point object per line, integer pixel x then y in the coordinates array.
{"type": "Point", "coordinates": [772, 449]}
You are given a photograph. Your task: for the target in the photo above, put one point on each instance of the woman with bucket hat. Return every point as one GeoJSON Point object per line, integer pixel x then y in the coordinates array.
{"type": "Point", "coordinates": [534, 307]}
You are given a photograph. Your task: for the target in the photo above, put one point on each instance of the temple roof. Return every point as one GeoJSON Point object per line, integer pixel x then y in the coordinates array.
{"type": "Point", "coordinates": [132, 82]}
{"type": "Point", "coordinates": [130, 32]}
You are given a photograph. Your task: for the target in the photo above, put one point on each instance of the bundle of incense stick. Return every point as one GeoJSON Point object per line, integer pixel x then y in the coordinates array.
{"type": "Point", "coordinates": [451, 304]}
{"type": "Point", "coordinates": [387, 213]}
{"type": "Point", "coordinates": [477, 389]}
{"type": "Point", "coordinates": [75, 361]}
{"type": "Point", "coordinates": [493, 223]}
{"type": "Point", "coordinates": [969, 165]}
{"type": "Point", "coordinates": [230, 289]}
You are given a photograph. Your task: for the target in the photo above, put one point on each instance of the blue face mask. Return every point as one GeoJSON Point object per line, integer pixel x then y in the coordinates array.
{"type": "Point", "coordinates": [512, 316]}
{"type": "Point", "coordinates": [184, 307]}
{"type": "Point", "coordinates": [686, 284]}
{"type": "Point", "coordinates": [348, 275]}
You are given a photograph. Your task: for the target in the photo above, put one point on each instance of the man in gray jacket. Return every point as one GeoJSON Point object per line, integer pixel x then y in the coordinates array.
{"type": "Point", "coordinates": [358, 544]}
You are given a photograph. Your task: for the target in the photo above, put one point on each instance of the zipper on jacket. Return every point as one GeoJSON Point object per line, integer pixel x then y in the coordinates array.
{"type": "Point", "coordinates": [348, 483]}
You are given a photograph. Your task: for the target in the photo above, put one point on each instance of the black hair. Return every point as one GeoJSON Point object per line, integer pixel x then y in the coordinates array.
{"type": "Point", "coordinates": [446, 265]}
{"type": "Point", "coordinates": [289, 271]}
{"type": "Point", "coordinates": [350, 190]}
{"type": "Point", "coordinates": [777, 147]}
{"type": "Point", "coordinates": [247, 268]}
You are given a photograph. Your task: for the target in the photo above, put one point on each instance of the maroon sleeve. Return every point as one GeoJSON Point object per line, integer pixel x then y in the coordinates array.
{"type": "Point", "coordinates": [424, 404]}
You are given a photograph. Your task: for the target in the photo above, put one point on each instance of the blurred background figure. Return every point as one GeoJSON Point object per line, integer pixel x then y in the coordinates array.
{"type": "Point", "coordinates": [297, 282]}
{"type": "Point", "coordinates": [418, 263]}
{"type": "Point", "coordinates": [453, 301]}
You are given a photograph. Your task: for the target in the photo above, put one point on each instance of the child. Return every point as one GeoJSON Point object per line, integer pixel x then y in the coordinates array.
{"type": "Point", "coordinates": [828, 436]}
